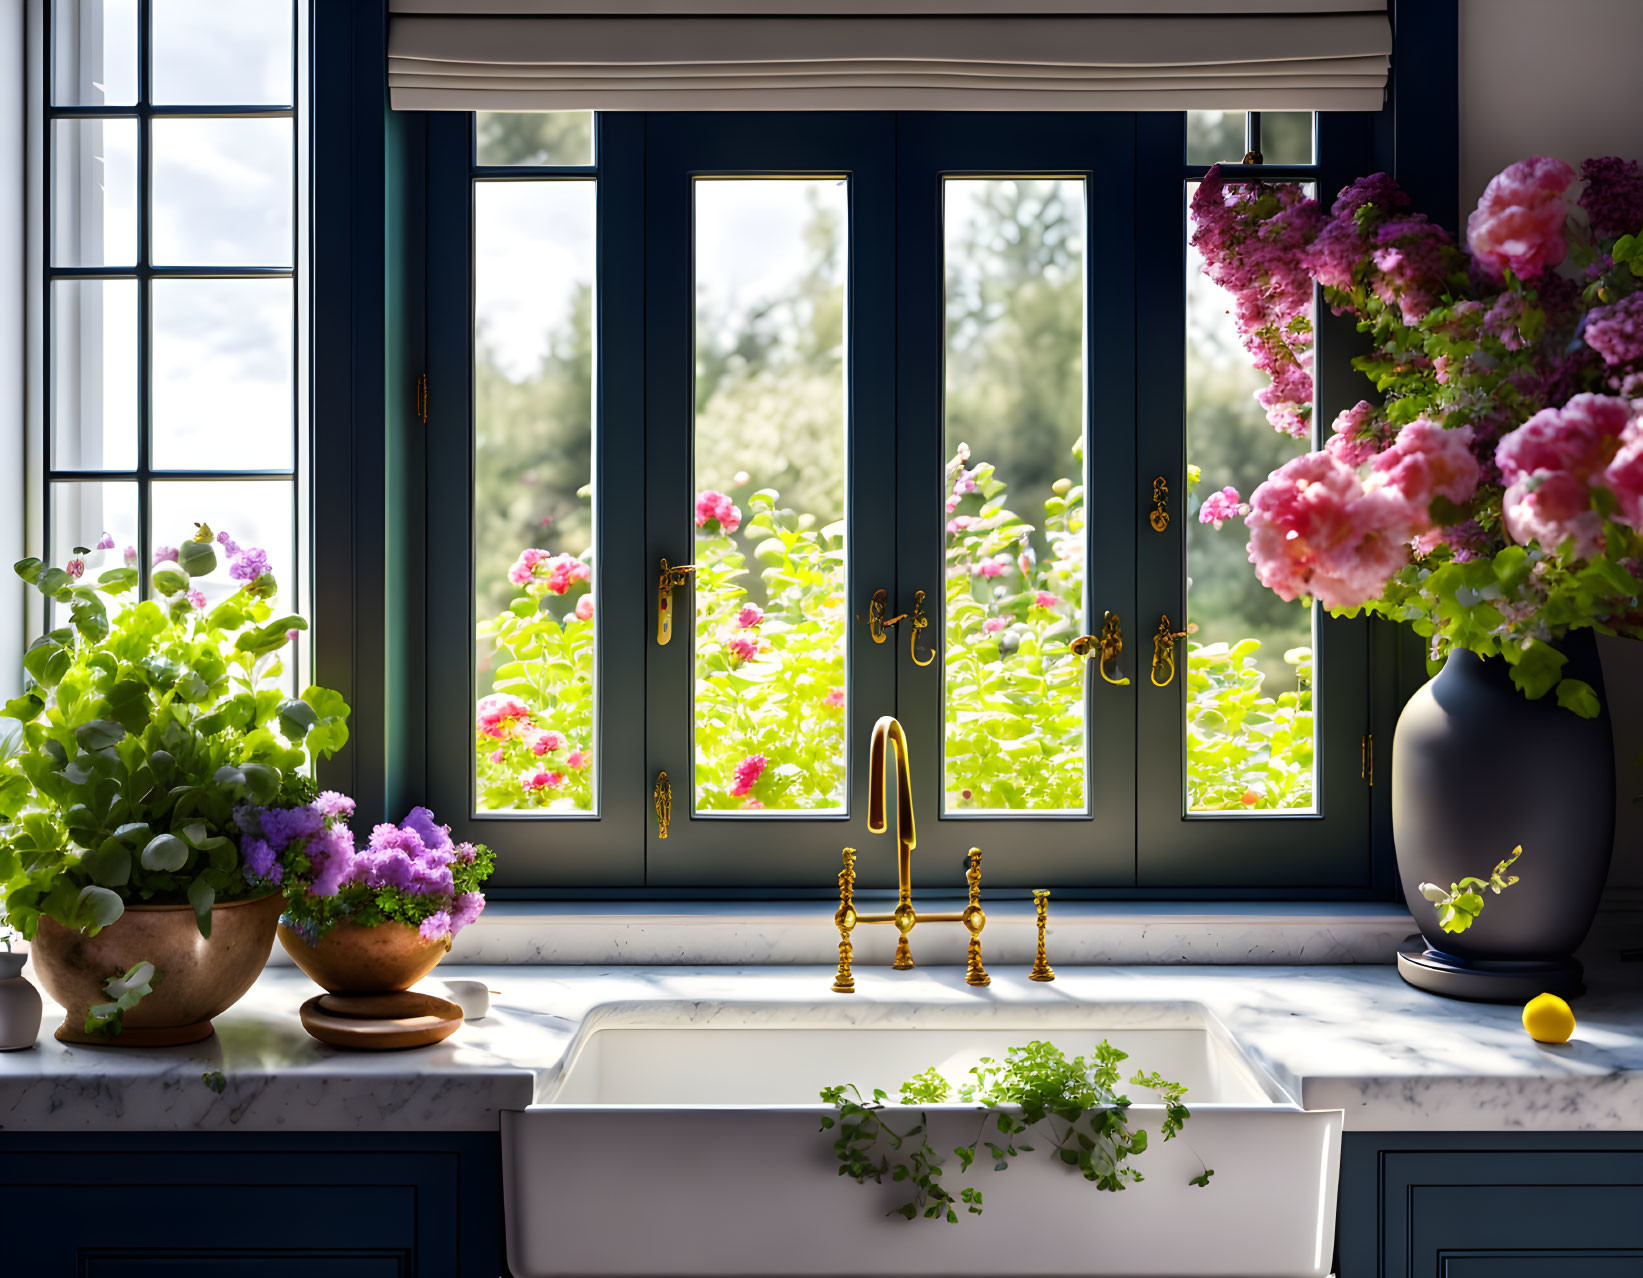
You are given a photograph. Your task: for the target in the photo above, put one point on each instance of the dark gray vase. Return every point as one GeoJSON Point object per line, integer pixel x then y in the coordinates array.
{"type": "Point", "coordinates": [1476, 770]}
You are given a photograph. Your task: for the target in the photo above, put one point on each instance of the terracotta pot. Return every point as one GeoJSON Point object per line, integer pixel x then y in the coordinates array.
{"type": "Point", "coordinates": [19, 1005]}
{"type": "Point", "coordinates": [199, 978]}
{"type": "Point", "coordinates": [351, 959]}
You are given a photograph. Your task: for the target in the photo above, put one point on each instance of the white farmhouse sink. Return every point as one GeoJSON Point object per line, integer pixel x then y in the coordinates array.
{"type": "Point", "coordinates": [684, 1139]}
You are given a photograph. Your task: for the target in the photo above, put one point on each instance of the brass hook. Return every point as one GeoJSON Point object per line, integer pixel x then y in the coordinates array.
{"type": "Point", "coordinates": [1163, 651]}
{"type": "Point", "coordinates": [877, 606]}
{"type": "Point", "coordinates": [920, 622]}
{"type": "Point", "coordinates": [1110, 643]}
{"type": "Point", "coordinates": [669, 580]}
{"type": "Point", "coordinates": [1159, 518]}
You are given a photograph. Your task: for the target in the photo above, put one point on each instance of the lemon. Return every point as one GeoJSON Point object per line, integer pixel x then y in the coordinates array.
{"type": "Point", "coordinates": [1548, 1019]}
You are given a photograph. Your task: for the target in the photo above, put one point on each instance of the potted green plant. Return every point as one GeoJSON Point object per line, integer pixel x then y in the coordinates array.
{"type": "Point", "coordinates": [140, 733]}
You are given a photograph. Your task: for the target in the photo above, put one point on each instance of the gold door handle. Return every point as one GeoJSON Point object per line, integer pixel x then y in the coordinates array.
{"type": "Point", "coordinates": [1163, 652]}
{"type": "Point", "coordinates": [1110, 643]}
{"type": "Point", "coordinates": [670, 579]}
{"type": "Point", "coordinates": [877, 622]}
{"type": "Point", "coordinates": [920, 622]}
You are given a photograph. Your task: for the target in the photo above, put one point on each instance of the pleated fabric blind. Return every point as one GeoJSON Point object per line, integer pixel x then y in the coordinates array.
{"type": "Point", "coordinates": [962, 55]}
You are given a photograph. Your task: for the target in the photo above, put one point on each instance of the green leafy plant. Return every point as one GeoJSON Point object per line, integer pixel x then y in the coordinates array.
{"type": "Point", "coordinates": [1246, 749]}
{"type": "Point", "coordinates": [124, 993]}
{"type": "Point", "coordinates": [121, 765]}
{"type": "Point", "coordinates": [1459, 906]}
{"type": "Point", "coordinates": [1074, 1102]}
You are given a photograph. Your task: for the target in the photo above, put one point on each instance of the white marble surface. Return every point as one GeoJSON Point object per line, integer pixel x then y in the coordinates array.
{"type": "Point", "coordinates": [799, 932]}
{"type": "Point", "coordinates": [1337, 1037]}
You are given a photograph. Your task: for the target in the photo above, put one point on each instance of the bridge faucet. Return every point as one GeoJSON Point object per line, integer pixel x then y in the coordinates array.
{"type": "Point", "coordinates": [887, 732]}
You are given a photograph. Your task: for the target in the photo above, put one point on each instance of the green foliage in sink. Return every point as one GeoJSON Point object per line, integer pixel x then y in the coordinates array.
{"type": "Point", "coordinates": [1074, 1102]}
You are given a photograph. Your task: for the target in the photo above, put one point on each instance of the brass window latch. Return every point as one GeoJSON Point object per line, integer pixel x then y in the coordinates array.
{"type": "Point", "coordinates": [1159, 517]}
{"type": "Point", "coordinates": [1163, 652]}
{"type": "Point", "coordinates": [662, 800]}
{"type": "Point", "coordinates": [878, 623]}
{"type": "Point", "coordinates": [670, 579]}
{"type": "Point", "coordinates": [1109, 643]}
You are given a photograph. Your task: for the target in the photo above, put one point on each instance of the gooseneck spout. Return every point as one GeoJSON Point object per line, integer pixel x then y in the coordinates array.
{"type": "Point", "coordinates": [886, 732]}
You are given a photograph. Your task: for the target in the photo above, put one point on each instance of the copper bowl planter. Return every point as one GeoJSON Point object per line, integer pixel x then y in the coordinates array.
{"type": "Point", "coordinates": [198, 978]}
{"type": "Point", "coordinates": [351, 959]}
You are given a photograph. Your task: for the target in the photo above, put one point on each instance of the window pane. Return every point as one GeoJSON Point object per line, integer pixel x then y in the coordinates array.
{"type": "Point", "coordinates": [1014, 485]}
{"type": "Point", "coordinates": [534, 589]}
{"type": "Point", "coordinates": [1250, 654]}
{"type": "Point", "coordinates": [94, 374]}
{"type": "Point", "coordinates": [222, 355]}
{"type": "Point", "coordinates": [539, 138]}
{"type": "Point", "coordinates": [94, 193]}
{"type": "Point", "coordinates": [222, 192]}
{"type": "Point", "coordinates": [90, 514]}
{"type": "Point", "coordinates": [222, 53]}
{"type": "Point", "coordinates": [1215, 137]}
{"type": "Point", "coordinates": [771, 262]}
{"type": "Point", "coordinates": [256, 514]}
{"type": "Point", "coordinates": [94, 52]}
{"type": "Point", "coordinates": [1286, 137]}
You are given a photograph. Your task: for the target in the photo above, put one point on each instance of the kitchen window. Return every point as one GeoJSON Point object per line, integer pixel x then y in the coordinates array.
{"type": "Point", "coordinates": [921, 411]}
{"type": "Point", "coordinates": [174, 299]}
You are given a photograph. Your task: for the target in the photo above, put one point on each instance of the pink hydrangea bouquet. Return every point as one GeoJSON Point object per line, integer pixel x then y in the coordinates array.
{"type": "Point", "coordinates": [411, 873]}
{"type": "Point", "coordinates": [1492, 495]}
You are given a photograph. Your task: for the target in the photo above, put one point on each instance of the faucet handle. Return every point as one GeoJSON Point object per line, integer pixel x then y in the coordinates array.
{"type": "Point", "coordinates": [1042, 971]}
{"type": "Point", "coordinates": [975, 919]}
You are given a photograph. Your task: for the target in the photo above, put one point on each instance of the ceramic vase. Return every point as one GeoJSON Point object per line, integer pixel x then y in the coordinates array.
{"type": "Point", "coordinates": [1478, 769]}
{"type": "Point", "coordinates": [198, 977]}
{"type": "Point", "coordinates": [352, 959]}
{"type": "Point", "coordinates": [19, 1005]}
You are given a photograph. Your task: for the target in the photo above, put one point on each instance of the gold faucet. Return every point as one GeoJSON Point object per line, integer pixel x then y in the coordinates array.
{"type": "Point", "coordinates": [886, 732]}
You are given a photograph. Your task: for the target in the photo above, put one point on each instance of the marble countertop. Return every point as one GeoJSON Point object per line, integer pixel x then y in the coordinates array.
{"type": "Point", "coordinates": [1354, 1038]}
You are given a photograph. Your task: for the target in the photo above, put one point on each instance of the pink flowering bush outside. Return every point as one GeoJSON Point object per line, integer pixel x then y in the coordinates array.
{"type": "Point", "coordinates": [1493, 497]}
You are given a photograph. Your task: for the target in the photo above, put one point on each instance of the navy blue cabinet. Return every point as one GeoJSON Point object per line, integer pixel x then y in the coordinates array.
{"type": "Point", "coordinates": [253, 1205]}
{"type": "Point", "coordinates": [1463, 1205]}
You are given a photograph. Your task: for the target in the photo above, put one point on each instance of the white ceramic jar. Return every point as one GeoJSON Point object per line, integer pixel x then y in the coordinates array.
{"type": "Point", "coordinates": [19, 1005]}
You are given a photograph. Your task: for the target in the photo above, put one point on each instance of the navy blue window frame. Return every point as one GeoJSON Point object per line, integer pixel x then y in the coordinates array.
{"type": "Point", "coordinates": [379, 257]}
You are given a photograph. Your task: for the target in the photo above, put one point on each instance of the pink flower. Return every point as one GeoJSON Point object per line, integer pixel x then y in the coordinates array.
{"type": "Point", "coordinates": [752, 805]}
{"type": "Point", "coordinates": [1616, 331]}
{"type": "Point", "coordinates": [834, 700]}
{"type": "Point", "coordinates": [497, 754]}
{"type": "Point", "coordinates": [584, 608]}
{"type": "Point", "coordinates": [436, 927]}
{"type": "Point", "coordinates": [1219, 507]}
{"type": "Point", "coordinates": [751, 615]}
{"type": "Point", "coordinates": [962, 523]}
{"type": "Point", "coordinates": [564, 571]}
{"type": "Point", "coordinates": [164, 554]}
{"type": "Point", "coordinates": [105, 542]}
{"type": "Point", "coordinates": [1518, 224]}
{"type": "Point", "coordinates": [713, 506]}
{"type": "Point", "coordinates": [576, 760]}
{"type": "Point", "coordinates": [1428, 461]}
{"type": "Point", "coordinates": [1045, 600]}
{"type": "Point", "coordinates": [742, 647]}
{"type": "Point", "coordinates": [523, 571]}
{"type": "Point", "coordinates": [1315, 530]}
{"type": "Point", "coordinates": [1551, 508]}
{"type": "Point", "coordinates": [993, 625]}
{"type": "Point", "coordinates": [748, 772]}
{"type": "Point", "coordinates": [1579, 438]}
{"type": "Point", "coordinates": [1024, 561]}
{"type": "Point", "coordinates": [129, 554]}
{"type": "Point", "coordinates": [500, 713]}
{"type": "Point", "coordinates": [196, 600]}
{"type": "Point", "coordinates": [229, 545]}
{"type": "Point", "coordinates": [1625, 476]}
{"type": "Point", "coordinates": [539, 779]}
{"type": "Point", "coordinates": [989, 568]}
{"type": "Point", "coordinates": [75, 568]}
{"type": "Point", "coordinates": [544, 741]}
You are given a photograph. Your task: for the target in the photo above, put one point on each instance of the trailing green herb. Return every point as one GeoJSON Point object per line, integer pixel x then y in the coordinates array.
{"type": "Point", "coordinates": [1084, 1116]}
{"type": "Point", "coordinates": [1459, 907]}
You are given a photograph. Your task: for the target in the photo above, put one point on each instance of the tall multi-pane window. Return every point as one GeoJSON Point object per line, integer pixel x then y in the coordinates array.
{"type": "Point", "coordinates": [173, 284]}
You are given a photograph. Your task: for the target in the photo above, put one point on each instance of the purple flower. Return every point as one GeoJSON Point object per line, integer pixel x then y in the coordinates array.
{"type": "Point", "coordinates": [228, 544]}
{"type": "Point", "coordinates": [1616, 331]}
{"type": "Point", "coordinates": [284, 826]}
{"type": "Point", "coordinates": [332, 804]}
{"type": "Point", "coordinates": [75, 568]}
{"type": "Point", "coordinates": [464, 853]}
{"type": "Point", "coordinates": [467, 909]}
{"type": "Point", "coordinates": [261, 861]}
{"type": "Point", "coordinates": [130, 555]}
{"type": "Point", "coordinates": [433, 835]}
{"type": "Point", "coordinates": [105, 542]}
{"type": "Point", "coordinates": [164, 554]}
{"type": "Point", "coordinates": [248, 565]}
{"type": "Point", "coordinates": [436, 927]}
{"type": "Point", "coordinates": [331, 853]}
{"type": "Point", "coordinates": [1613, 198]}
{"type": "Point", "coordinates": [398, 858]}
{"type": "Point", "coordinates": [197, 600]}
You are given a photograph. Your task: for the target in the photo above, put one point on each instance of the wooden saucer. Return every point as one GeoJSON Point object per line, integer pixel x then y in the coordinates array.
{"type": "Point", "coordinates": [380, 1022]}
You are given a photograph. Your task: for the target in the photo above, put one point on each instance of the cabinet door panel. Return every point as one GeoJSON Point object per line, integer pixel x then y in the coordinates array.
{"type": "Point", "coordinates": [218, 1264]}
{"type": "Point", "coordinates": [1565, 1264]}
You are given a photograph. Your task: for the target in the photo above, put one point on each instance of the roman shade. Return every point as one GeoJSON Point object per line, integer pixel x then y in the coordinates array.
{"type": "Point", "coordinates": [877, 55]}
